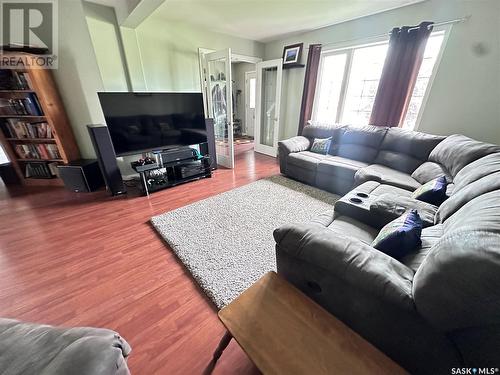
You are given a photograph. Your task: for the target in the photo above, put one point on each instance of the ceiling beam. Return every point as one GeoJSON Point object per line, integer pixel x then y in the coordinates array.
{"type": "Point", "coordinates": [139, 12]}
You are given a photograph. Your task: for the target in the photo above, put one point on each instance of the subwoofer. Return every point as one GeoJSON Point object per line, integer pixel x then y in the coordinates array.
{"type": "Point", "coordinates": [106, 156]}
{"type": "Point", "coordinates": [81, 176]}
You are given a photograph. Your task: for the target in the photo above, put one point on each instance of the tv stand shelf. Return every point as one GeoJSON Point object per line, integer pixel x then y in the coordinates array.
{"type": "Point", "coordinates": [173, 173]}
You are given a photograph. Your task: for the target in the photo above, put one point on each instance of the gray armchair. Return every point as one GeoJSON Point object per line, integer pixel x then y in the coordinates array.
{"type": "Point", "coordinates": [27, 348]}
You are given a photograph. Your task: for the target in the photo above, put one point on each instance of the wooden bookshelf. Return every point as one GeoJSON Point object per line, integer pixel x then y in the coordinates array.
{"type": "Point", "coordinates": [41, 84]}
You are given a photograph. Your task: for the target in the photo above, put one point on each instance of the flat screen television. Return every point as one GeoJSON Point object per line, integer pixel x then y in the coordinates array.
{"type": "Point", "coordinates": [142, 122]}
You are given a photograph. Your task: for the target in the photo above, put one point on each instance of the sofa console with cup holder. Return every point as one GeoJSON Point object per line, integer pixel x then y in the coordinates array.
{"type": "Point", "coordinates": [435, 308]}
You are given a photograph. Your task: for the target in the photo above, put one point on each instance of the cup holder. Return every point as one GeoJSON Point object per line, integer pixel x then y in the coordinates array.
{"type": "Point", "coordinates": [362, 195]}
{"type": "Point", "coordinates": [356, 200]}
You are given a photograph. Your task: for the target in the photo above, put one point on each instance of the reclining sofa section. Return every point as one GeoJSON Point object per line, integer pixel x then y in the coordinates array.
{"type": "Point", "coordinates": [436, 308]}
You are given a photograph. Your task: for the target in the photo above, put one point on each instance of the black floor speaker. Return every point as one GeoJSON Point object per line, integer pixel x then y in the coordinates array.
{"type": "Point", "coordinates": [99, 134]}
{"type": "Point", "coordinates": [81, 176]}
{"type": "Point", "coordinates": [209, 147]}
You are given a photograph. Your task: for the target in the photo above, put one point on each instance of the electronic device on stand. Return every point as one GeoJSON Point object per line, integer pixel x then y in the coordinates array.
{"type": "Point", "coordinates": [170, 168]}
{"type": "Point", "coordinates": [169, 130]}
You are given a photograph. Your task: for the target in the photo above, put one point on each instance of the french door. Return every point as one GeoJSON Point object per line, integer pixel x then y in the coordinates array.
{"type": "Point", "coordinates": [267, 106]}
{"type": "Point", "coordinates": [217, 90]}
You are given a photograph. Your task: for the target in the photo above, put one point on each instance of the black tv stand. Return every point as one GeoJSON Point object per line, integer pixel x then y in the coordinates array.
{"type": "Point", "coordinates": [156, 177]}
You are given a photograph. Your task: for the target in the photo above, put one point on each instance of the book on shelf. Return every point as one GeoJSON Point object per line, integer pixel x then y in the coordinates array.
{"type": "Point", "coordinates": [24, 130]}
{"type": "Point", "coordinates": [42, 151]}
{"type": "Point", "coordinates": [27, 106]}
{"type": "Point", "coordinates": [37, 170]}
{"type": "Point", "coordinates": [53, 168]}
{"type": "Point", "coordinates": [12, 80]}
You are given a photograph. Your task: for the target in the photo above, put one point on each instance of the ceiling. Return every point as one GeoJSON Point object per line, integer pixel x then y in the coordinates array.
{"type": "Point", "coordinates": [265, 20]}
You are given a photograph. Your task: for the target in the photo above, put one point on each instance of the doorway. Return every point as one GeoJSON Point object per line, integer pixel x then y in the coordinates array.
{"type": "Point", "coordinates": [231, 88]}
{"type": "Point", "coordinates": [244, 86]}
{"type": "Point", "coordinates": [250, 100]}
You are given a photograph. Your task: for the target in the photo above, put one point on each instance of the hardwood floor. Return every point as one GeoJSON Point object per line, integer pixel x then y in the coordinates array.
{"type": "Point", "coordinates": [89, 259]}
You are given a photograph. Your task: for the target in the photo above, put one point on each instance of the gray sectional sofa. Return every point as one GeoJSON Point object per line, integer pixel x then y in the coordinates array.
{"type": "Point", "coordinates": [437, 308]}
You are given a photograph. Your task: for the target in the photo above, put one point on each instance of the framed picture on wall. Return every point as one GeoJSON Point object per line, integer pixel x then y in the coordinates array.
{"type": "Point", "coordinates": [292, 54]}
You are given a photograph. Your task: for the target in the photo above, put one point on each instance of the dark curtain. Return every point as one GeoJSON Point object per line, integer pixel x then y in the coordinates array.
{"type": "Point", "coordinates": [404, 57]}
{"type": "Point", "coordinates": [310, 79]}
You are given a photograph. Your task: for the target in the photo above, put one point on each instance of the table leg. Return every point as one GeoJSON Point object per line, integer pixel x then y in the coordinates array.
{"type": "Point", "coordinates": [224, 342]}
{"type": "Point", "coordinates": [145, 183]}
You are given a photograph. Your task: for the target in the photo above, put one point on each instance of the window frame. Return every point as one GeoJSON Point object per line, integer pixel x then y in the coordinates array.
{"type": "Point", "coordinates": [343, 48]}
{"type": "Point", "coordinates": [446, 30]}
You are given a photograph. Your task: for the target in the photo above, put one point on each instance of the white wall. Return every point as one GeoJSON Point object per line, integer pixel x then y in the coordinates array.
{"type": "Point", "coordinates": [465, 96]}
{"type": "Point", "coordinates": [78, 77]}
{"type": "Point", "coordinates": [169, 52]}
{"type": "Point", "coordinates": [108, 47]}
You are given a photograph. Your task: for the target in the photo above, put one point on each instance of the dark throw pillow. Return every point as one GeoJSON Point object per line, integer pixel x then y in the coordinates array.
{"type": "Point", "coordinates": [433, 192]}
{"type": "Point", "coordinates": [321, 145]}
{"type": "Point", "coordinates": [401, 236]}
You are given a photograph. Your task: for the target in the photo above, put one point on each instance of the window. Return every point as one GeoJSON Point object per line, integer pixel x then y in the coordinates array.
{"type": "Point", "coordinates": [252, 92]}
{"type": "Point", "coordinates": [348, 82]}
{"type": "Point", "coordinates": [3, 156]}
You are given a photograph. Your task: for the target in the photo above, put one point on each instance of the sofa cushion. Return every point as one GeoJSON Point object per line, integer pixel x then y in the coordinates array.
{"type": "Point", "coordinates": [429, 171]}
{"type": "Point", "coordinates": [325, 218]}
{"type": "Point", "coordinates": [361, 143]}
{"type": "Point", "coordinates": [321, 145]}
{"type": "Point", "coordinates": [433, 192]}
{"type": "Point", "coordinates": [458, 284]}
{"type": "Point", "coordinates": [399, 161]}
{"type": "Point", "coordinates": [390, 206]}
{"type": "Point", "coordinates": [429, 237]}
{"type": "Point", "coordinates": [322, 130]}
{"type": "Point", "coordinates": [376, 189]}
{"type": "Point", "coordinates": [477, 170]}
{"type": "Point", "coordinates": [471, 191]}
{"type": "Point", "coordinates": [401, 236]}
{"type": "Point", "coordinates": [457, 150]}
{"type": "Point", "coordinates": [305, 159]}
{"type": "Point", "coordinates": [405, 150]}
{"type": "Point", "coordinates": [479, 214]}
{"type": "Point", "coordinates": [389, 189]}
{"type": "Point", "coordinates": [294, 144]}
{"type": "Point", "coordinates": [386, 175]}
{"type": "Point", "coordinates": [340, 167]}
{"type": "Point", "coordinates": [351, 228]}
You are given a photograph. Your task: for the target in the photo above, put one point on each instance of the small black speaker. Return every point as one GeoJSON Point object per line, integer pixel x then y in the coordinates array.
{"type": "Point", "coordinates": [209, 147]}
{"type": "Point", "coordinates": [81, 176]}
{"type": "Point", "coordinates": [99, 134]}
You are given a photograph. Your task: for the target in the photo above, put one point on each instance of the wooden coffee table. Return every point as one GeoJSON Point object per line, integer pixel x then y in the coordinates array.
{"type": "Point", "coordinates": [285, 332]}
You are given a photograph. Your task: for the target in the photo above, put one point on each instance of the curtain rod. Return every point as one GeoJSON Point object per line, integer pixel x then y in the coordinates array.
{"type": "Point", "coordinates": [449, 22]}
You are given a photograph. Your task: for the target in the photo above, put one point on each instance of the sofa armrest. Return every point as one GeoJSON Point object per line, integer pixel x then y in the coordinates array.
{"type": "Point", "coordinates": [352, 261]}
{"type": "Point", "coordinates": [294, 144]}
{"type": "Point", "coordinates": [389, 206]}
{"type": "Point", "coordinates": [288, 146]}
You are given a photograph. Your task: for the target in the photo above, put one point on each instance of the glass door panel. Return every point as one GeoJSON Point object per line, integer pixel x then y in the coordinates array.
{"type": "Point", "coordinates": [220, 106]}
{"type": "Point", "coordinates": [267, 106]}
